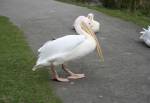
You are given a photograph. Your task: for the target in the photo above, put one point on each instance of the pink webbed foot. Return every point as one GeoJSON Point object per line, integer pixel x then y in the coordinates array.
{"type": "Point", "coordinates": [61, 79]}
{"type": "Point", "coordinates": [76, 76]}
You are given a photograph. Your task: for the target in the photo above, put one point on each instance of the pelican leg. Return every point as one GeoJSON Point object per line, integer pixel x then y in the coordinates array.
{"type": "Point", "coordinates": [72, 75]}
{"type": "Point", "coordinates": [55, 75]}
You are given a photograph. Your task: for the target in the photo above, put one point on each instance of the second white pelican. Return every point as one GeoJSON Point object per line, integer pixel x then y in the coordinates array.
{"type": "Point", "coordinates": [95, 25]}
{"type": "Point", "coordinates": [146, 36]}
{"type": "Point", "coordinates": [67, 48]}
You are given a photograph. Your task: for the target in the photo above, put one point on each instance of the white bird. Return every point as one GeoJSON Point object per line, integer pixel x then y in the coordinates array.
{"type": "Point", "coordinates": [95, 25]}
{"type": "Point", "coordinates": [67, 48]}
{"type": "Point", "coordinates": [146, 36]}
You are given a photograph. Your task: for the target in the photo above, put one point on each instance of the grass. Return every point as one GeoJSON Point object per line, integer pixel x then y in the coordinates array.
{"type": "Point", "coordinates": [18, 83]}
{"type": "Point", "coordinates": [137, 17]}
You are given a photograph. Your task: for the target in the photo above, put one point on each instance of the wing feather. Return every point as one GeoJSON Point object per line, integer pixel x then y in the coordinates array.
{"type": "Point", "coordinates": [60, 45]}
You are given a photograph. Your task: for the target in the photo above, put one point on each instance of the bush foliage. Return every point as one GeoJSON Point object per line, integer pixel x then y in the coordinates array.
{"type": "Point", "coordinates": [131, 5]}
{"type": "Point", "coordinates": [142, 6]}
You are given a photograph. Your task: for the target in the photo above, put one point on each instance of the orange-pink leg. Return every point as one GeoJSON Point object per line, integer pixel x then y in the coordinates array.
{"type": "Point", "coordinates": [72, 75]}
{"type": "Point", "coordinates": [55, 75]}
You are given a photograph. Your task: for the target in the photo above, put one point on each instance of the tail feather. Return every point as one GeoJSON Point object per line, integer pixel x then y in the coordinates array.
{"type": "Point", "coordinates": [37, 67]}
{"type": "Point", "coordinates": [34, 68]}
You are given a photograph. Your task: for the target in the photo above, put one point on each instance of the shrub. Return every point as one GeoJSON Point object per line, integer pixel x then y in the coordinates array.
{"type": "Point", "coordinates": [131, 5]}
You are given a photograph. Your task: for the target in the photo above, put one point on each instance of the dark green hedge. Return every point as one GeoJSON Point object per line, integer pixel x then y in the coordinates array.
{"type": "Point", "coordinates": [132, 5]}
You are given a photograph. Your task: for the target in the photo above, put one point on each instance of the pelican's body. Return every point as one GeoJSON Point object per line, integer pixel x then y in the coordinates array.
{"type": "Point", "coordinates": [95, 25]}
{"type": "Point", "coordinates": [67, 48]}
{"type": "Point", "coordinates": [146, 36]}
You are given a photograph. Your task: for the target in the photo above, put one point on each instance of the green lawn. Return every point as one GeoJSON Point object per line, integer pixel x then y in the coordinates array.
{"type": "Point", "coordinates": [18, 83]}
{"type": "Point", "coordinates": [137, 17]}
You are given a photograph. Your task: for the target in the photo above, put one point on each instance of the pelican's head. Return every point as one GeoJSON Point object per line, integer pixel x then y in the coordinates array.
{"type": "Point", "coordinates": [95, 25]}
{"type": "Point", "coordinates": [90, 16]}
{"type": "Point", "coordinates": [85, 27]}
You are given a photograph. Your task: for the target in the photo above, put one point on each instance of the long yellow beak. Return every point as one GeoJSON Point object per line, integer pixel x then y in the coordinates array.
{"type": "Point", "coordinates": [98, 47]}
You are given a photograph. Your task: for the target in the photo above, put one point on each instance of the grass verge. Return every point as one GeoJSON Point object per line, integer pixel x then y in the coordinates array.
{"type": "Point", "coordinates": [18, 84]}
{"type": "Point", "coordinates": [137, 17]}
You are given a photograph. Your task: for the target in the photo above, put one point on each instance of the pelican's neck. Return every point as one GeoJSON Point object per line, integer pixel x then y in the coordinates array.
{"type": "Point", "coordinates": [80, 31]}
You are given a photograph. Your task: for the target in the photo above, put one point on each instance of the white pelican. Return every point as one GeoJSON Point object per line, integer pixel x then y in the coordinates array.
{"type": "Point", "coordinates": [67, 48]}
{"type": "Point", "coordinates": [95, 25]}
{"type": "Point", "coordinates": [146, 36]}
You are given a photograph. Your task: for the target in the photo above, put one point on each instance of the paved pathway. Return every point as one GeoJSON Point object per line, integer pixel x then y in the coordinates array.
{"type": "Point", "coordinates": [125, 75]}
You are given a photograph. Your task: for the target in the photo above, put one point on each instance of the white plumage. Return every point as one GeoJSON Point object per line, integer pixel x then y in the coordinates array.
{"type": "Point", "coordinates": [146, 36]}
{"type": "Point", "coordinates": [95, 25]}
{"type": "Point", "coordinates": [64, 49]}
{"type": "Point", "coordinates": [67, 48]}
